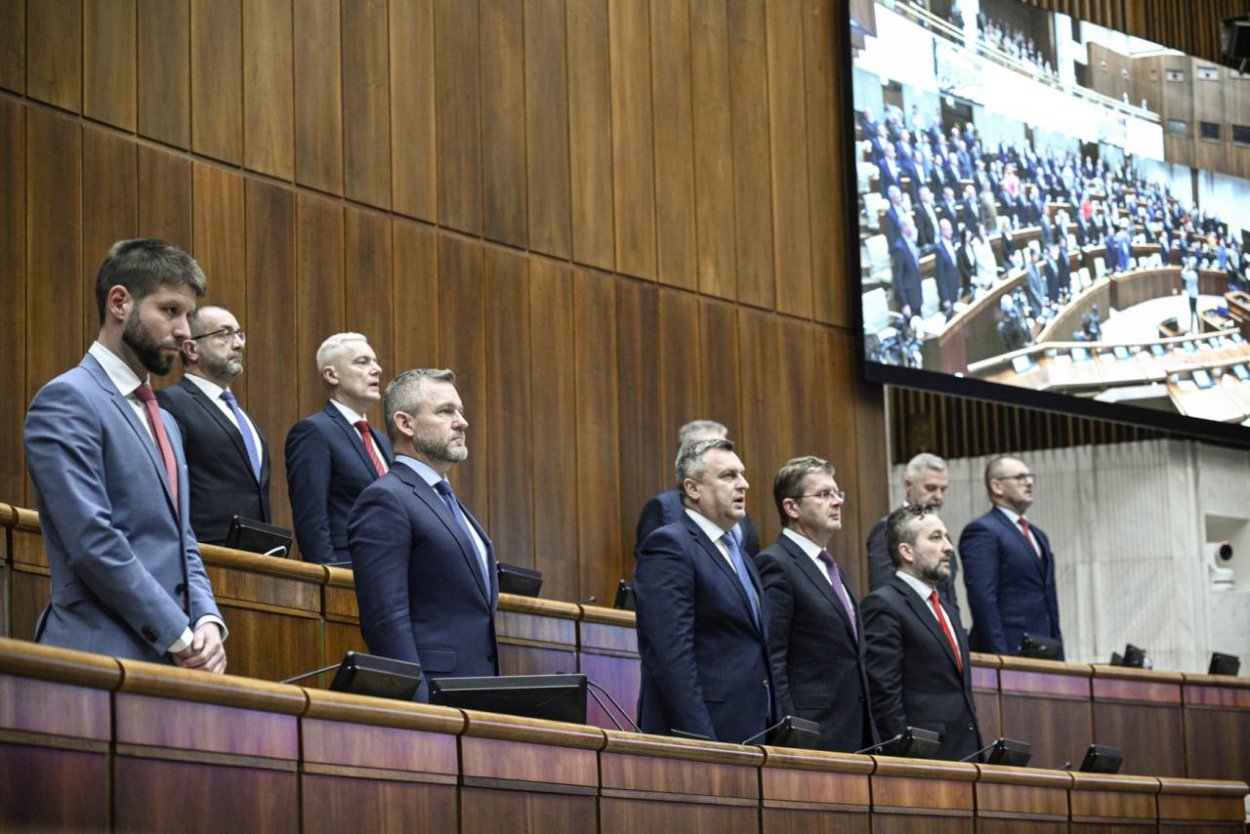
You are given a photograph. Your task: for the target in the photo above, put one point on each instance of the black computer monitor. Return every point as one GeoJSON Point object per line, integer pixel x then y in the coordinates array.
{"type": "Point", "coordinates": [553, 697]}
{"type": "Point", "coordinates": [1102, 758]}
{"type": "Point", "coordinates": [524, 582]}
{"type": "Point", "coordinates": [1008, 751]}
{"type": "Point", "coordinates": [381, 677]}
{"type": "Point", "coordinates": [1224, 664]}
{"type": "Point", "coordinates": [1042, 648]}
{"type": "Point", "coordinates": [258, 537]}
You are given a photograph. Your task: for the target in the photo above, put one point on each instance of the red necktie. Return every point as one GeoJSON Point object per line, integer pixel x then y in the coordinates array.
{"type": "Point", "coordinates": [946, 628]}
{"type": "Point", "coordinates": [1028, 534]}
{"type": "Point", "coordinates": [148, 398]}
{"type": "Point", "coordinates": [366, 437]}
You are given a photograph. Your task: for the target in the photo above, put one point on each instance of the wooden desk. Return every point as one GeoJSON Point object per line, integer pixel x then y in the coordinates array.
{"type": "Point", "coordinates": [1016, 798]}
{"type": "Point", "coordinates": [1047, 704]}
{"type": "Point", "coordinates": [811, 791]}
{"type": "Point", "coordinates": [1106, 804]}
{"type": "Point", "coordinates": [1127, 700]}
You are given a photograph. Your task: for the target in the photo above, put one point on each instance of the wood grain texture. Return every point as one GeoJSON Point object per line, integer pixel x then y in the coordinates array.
{"type": "Point", "coordinates": [164, 71]}
{"type": "Point", "coordinates": [208, 728]}
{"type": "Point", "coordinates": [387, 748]}
{"type": "Point", "coordinates": [319, 285]}
{"type": "Point", "coordinates": [638, 365]}
{"type": "Point", "coordinates": [47, 789]}
{"type": "Point", "coordinates": [633, 160]}
{"type": "Point", "coordinates": [51, 708]}
{"type": "Point", "coordinates": [269, 88]}
{"type": "Point", "coordinates": [187, 796]}
{"type": "Point", "coordinates": [458, 105]}
{"type": "Point", "coordinates": [368, 272]}
{"type": "Point", "coordinates": [217, 79]}
{"type": "Point", "coordinates": [13, 333]}
{"type": "Point", "coordinates": [503, 104]}
{"type": "Point", "coordinates": [414, 258]}
{"type": "Point", "coordinates": [110, 210]}
{"type": "Point", "coordinates": [507, 810]}
{"type": "Point", "coordinates": [821, 57]}
{"type": "Point", "coordinates": [713, 148]}
{"type": "Point", "coordinates": [319, 96]}
{"type": "Point", "coordinates": [13, 47]}
{"type": "Point", "coordinates": [590, 133]}
{"type": "Point", "coordinates": [622, 815]}
{"type": "Point", "coordinates": [164, 197]}
{"type": "Point", "coordinates": [376, 805]}
{"type": "Point", "coordinates": [54, 53]}
{"type": "Point", "coordinates": [549, 206]}
{"type": "Point", "coordinates": [414, 170]}
{"type": "Point", "coordinates": [217, 223]}
{"type": "Point", "coordinates": [681, 334]}
{"type": "Point", "coordinates": [673, 107]}
{"type": "Point", "coordinates": [109, 66]}
{"type": "Point", "coordinates": [1160, 752]}
{"type": "Point", "coordinates": [366, 103]}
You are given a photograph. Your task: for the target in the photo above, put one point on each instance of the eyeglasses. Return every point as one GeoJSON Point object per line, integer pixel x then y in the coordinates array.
{"type": "Point", "coordinates": [825, 494]}
{"type": "Point", "coordinates": [225, 334]}
{"type": "Point", "coordinates": [1022, 478]}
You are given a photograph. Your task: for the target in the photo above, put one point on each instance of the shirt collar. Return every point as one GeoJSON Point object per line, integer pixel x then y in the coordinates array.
{"type": "Point", "coordinates": [923, 589]}
{"type": "Point", "coordinates": [1012, 515]}
{"type": "Point", "coordinates": [118, 372]}
{"type": "Point", "coordinates": [211, 389]}
{"type": "Point", "coordinates": [348, 415]}
{"type": "Point", "coordinates": [423, 469]}
{"type": "Point", "coordinates": [805, 544]}
{"type": "Point", "coordinates": [705, 524]}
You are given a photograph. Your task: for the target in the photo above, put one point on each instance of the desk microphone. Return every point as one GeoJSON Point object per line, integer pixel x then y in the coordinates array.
{"type": "Point", "coordinates": [794, 732]}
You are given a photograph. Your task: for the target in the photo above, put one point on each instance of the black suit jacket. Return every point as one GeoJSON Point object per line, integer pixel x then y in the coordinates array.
{"type": "Point", "coordinates": [912, 673]}
{"type": "Point", "coordinates": [326, 468]}
{"type": "Point", "coordinates": [666, 507]}
{"type": "Point", "coordinates": [220, 473]}
{"type": "Point", "coordinates": [881, 569]}
{"type": "Point", "coordinates": [818, 662]}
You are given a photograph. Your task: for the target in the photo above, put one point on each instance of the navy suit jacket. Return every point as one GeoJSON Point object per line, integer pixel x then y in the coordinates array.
{"type": "Point", "coordinates": [818, 662]}
{"type": "Point", "coordinates": [127, 577]}
{"type": "Point", "coordinates": [912, 673]}
{"type": "Point", "coordinates": [1010, 589]}
{"type": "Point", "coordinates": [705, 662]}
{"type": "Point", "coordinates": [419, 581]}
{"type": "Point", "coordinates": [666, 507]}
{"type": "Point", "coordinates": [326, 468]}
{"type": "Point", "coordinates": [222, 482]}
{"type": "Point", "coordinates": [947, 274]}
{"type": "Point", "coordinates": [907, 278]}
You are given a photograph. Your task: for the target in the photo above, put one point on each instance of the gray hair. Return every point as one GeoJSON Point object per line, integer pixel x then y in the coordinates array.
{"type": "Point", "coordinates": [690, 463]}
{"type": "Point", "coordinates": [924, 462]}
{"type": "Point", "coordinates": [403, 393]}
{"type": "Point", "coordinates": [697, 429]}
{"type": "Point", "coordinates": [330, 348]}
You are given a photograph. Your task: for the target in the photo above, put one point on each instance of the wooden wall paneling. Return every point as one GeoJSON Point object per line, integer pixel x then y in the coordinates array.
{"type": "Point", "coordinates": [761, 445]}
{"type": "Point", "coordinates": [550, 200]}
{"type": "Point", "coordinates": [1047, 704]}
{"type": "Point", "coordinates": [597, 437]}
{"type": "Point", "coordinates": [413, 166]}
{"type": "Point", "coordinates": [633, 157]}
{"type": "Point", "coordinates": [109, 68]}
{"type": "Point", "coordinates": [14, 396]}
{"type": "Point", "coordinates": [414, 288]}
{"type": "Point", "coordinates": [462, 342]}
{"type": "Point", "coordinates": [510, 459]}
{"type": "Point", "coordinates": [458, 115]}
{"type": "Point", "coordinates": [503, 118]}
{"type": "Point", "coordinates": [369, 285]}
{"type": "Point", "coordinates": [13, 46]}
{"type": "Point", "coordinates": [643, 441]}
{"type": "Point", "coordinates": [217, 79]}
{"type": "Point", "coordinates": [366, 103]}
{"type": "Point", "coordinates": [678, 343]}
{"type": "Point", "coordinates": [753, 214]}
{"type": "Point", "coordinates": [164, 71]}
{"type": "Point", "coordinates": [713, 148]}
{"type": "Point", "coordinates": [319, 96]}
{"type": "Point", "coordinates": [269, 88]}
{"type": "Point", "coordinates": [788, 143]}
{"type": "Point", "coordinates": [54, 53]}
{"type": "Point", "coordinates": [319, 291]}
{"type": "Point", "coordinates": [110, 196]}
{"type": "Point", "coordinates": [822, 60]}
{"type": "Point", "coordinates": [553, 392]}
{"type": "Point", "coordinates": [865, 405]}
{"type": "Point", "coordinates": [274, 368]}
{"type": "Point", "coordinates": [718, 361]}
{"type": "Point", "coordinates": [672, 101]}
{"type": "Point", "coordinates": [590, 134]}
{"type": "Point", "coordinates": [218, 216]}
{"type": "Point", "coordinates": [164, 197]}
{"type": "Point", "coordinates": [53, 246]}
{"type": "Point", "coordinates": [805, 791]}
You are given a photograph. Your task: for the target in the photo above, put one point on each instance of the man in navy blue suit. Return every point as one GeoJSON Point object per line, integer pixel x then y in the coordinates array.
{"type": "Point", "coordinates": [702, 613]}
{"type": "Point", "coordinates": [666, 507]}
{"type": "Point", "coordinates": [127, 578]}
{"type": "Point", "coordinates": [227, 456]}
{"type": "Point", "coordinates": [425, 569]}
{"type": "Point", "coordinates": [1009, 568]}
{"type": "Point", "coordinates": [334, 454]}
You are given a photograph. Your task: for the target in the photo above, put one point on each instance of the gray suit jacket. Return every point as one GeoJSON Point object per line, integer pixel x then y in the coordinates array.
{"type": "Point", "coordinates": [127, 578]}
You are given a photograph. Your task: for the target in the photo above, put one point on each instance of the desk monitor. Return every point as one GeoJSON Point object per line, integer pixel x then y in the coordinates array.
{"type": "Point", "coordinates": [1224, 664]}
{"type": "Point", "coordinates": [381, 677]}
{"type": "Point", "coordinates": [1042, 648]}
{"type": "Point", "coordinates": [1008, 751]}
{"type": "Point", "coordinates": [258, 537]}
{"type": "Point", "coordinates": [1102, 758]}
{"type": "Point", "coordinates": [551, 697]}
{"type": "Point", "coordinates": [524, 582]}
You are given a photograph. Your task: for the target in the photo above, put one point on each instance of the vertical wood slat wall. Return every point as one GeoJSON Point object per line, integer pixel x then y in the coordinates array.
{"type": "Point", "coordinates": [609, 216]}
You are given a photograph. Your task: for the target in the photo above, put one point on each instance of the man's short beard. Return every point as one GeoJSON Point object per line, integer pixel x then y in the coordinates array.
{"type": "Point", "coordinates": [145, 348]}
{"type": "Point", "coordinates": [440, 452]}
{"type": "Point", "coordinates": [935, 572]}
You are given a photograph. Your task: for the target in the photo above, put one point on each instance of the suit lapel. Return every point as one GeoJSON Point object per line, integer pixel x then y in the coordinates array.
{"type": "Point", "coordinates": [722, 564]}
{"type": "Point", "coordinates": [215, 414]}
{"type": "Point", "coordinates": [426, 494]}
{"type": "Point", "coordinates": [352, 436]}
{"type": "Point", "coordinates": [925, 614]}
{"type": "Point", "coordinates": [816, 576]}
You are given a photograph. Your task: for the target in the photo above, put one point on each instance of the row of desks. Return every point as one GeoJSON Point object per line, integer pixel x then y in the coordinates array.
{"type": "Point", "coordinates": [287, 618]}
{"type": "Point", "coordinates": [92, 743]}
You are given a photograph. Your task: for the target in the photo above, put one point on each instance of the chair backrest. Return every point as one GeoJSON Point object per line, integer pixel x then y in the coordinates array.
{"type": "Point", "coordinates": [874, 204]}
{"type": "Point", "coordinates": [876, 310]}
{"type": "Point", "coordinates": [878, 250]}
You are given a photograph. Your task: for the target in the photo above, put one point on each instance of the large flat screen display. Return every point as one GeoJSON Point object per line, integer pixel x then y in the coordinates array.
{"type": "Point", "coordinates": [1049, 213]}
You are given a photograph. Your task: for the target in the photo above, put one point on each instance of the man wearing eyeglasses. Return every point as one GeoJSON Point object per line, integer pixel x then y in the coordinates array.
{"type": "Point", "coordinates": [227, 456]}
{"type": "Point", "coordinates": [814, 628]}
{"type": "Point", "coordinates": [1009, 568]}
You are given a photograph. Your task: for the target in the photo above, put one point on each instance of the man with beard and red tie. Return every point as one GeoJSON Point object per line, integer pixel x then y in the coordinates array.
{"type": "Point", "coordinates": [107, 464]}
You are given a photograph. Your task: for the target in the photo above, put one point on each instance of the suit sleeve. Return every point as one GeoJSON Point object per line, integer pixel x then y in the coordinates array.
{"type": "Point", "coordinates": [880, 568]}
{"type": "Point", "coordinates": [664, 596]}
{"type": "Point", "coordinates": [979, 549]}
{"type": "Point", "coordinates": [199, 589]}
{"type": "Point", "coordinates": [308, 484]}
{"type": "Point", "coordinates": [649, 520]}
{"type": "Point", "coordinates": [780, 596]}
{"type": "Point", "coordinates": [883, 637]}
{"type": "Point", "coordinates": [379, 536]}
{"type": "Point", "coordinates": [65, 457]}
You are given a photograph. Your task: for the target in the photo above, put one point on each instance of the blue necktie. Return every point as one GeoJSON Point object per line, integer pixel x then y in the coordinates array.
{"type": "Point", "coordinates": [253, 451]}
{"type": "Point", "coordinates": [740, 568]}
{"type": "Point", "coordinates": [444, 489]}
